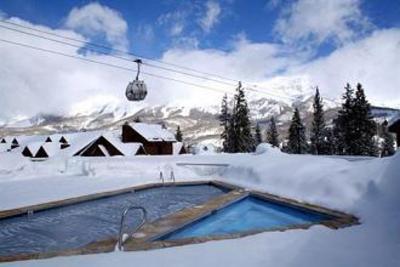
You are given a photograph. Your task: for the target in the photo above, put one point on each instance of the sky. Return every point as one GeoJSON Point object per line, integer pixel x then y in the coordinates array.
{"type": "Point", "coordinates": [280, 46]}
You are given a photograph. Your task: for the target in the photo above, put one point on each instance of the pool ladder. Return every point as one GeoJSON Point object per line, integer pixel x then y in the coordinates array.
{"type": "Point", "coordinates": [121, 228]}
{"type": "Point", "coordinates": [172, 177]}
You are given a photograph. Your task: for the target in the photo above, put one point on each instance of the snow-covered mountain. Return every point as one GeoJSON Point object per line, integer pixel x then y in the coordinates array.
{"type": "Point", "coordinates": [198, 123]}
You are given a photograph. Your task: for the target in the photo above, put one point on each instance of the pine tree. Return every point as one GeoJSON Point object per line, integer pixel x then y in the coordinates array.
{"type": "Point", "coordinates": [318, 126]}
{"type": "Point", "coordinates": [241, 123]}
{"type": "Point", "coordinates": [343, 125]}
{"type": "Point", "coordinates": [388, 142]}
{"type": "Point", "coordinates": [297, 143]}
{"type": "Point", "coordinates": [364, 126]}
{"type": "Point", "coordinates": [258, 137]}
{"type": "Point", "coordinates": [224, 119]}
{"type": "Point", "coordinates": [178, 134]}
{"type": "Point", "coordinates": [272, 133]}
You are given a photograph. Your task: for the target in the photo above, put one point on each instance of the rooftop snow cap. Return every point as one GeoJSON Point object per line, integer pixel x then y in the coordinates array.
{"type": "Point", "coordinates": [153, 132]}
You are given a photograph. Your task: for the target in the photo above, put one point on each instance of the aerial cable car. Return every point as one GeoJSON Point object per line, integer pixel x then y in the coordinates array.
{"type": "Point", "coordinates": [137, 89]}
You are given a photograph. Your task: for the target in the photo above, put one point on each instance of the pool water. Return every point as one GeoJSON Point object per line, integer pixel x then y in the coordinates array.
{"type": "Point", "coordinates": [76, 225]}
{"type": "Point", "coordinates": [248, 214]}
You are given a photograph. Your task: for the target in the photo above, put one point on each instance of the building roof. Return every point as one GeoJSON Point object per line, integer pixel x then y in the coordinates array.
{"type": "Point", "coordinates": [33, 147]}
{"type": "Point", "coordinates": [128, 149]}
{"type": "Point", "coordinates": [394, 120]}
{"type": "Point", "coordinates": [177, 148]}
{"type": "Point", "coordinates": [153, 132]}
{"type": "Point", "coordinates": [50, 148]}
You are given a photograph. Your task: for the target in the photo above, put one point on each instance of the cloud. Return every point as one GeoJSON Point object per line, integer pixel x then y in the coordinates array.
{"type": "Point", "coordinates": [146, 32]}
{"type": "Point", "coordinates": [175, 21]}
{"type": "Point", "coordinates": [373, 61]}
{"type": "Point", "coordinates": [95, 19]}
{"type": "Point", "coordinates": [211, 17]}
{"type": "Point", "coordinates": [314, 22]}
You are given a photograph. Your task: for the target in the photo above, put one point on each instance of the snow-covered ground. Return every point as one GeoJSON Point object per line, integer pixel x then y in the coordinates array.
{"type": "Point", "coordinates": [368, 188]}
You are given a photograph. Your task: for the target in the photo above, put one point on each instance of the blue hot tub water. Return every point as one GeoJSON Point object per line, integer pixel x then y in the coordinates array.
{"type": "Point", "coordinates": [79, 224]}
{"type": "Point", "coordinates": [248, 214]}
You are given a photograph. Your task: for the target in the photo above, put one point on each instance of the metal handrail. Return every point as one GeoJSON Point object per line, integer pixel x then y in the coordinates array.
{"type": "Point", "coordinates": [144, 220]}
{"type": "Point", "coordinates": [162, 177]}
{"type": "Point", "coordinates": [173, 176]}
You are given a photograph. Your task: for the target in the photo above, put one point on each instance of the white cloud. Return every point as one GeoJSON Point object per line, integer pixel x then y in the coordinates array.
{"type": "Point", "coordinates": [211, 17]}
{"type": "Point", "coordinates": [316, 21]}
{"type": "Point", "coordinates": [94, 19]}
{"type": "Point", "coordinates": [175, 21]}
{"type": "Point", "coordinates": [373, 61]}
{"type": "Point", "coordinates": [146, 32]}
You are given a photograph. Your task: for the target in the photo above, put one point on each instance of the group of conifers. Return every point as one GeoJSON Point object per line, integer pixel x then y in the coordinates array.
{"type": "Point", "coordinates": [352, 132]}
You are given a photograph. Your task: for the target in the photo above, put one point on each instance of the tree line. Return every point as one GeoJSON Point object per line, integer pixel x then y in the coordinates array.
{"type": "Point", "coordinates": [353, 131]}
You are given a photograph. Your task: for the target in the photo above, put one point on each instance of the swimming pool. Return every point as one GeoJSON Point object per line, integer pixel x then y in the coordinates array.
{"type": "Point", "coordinates": [79, 224]}
{"type": "Point", "coordinates": [246, 215]}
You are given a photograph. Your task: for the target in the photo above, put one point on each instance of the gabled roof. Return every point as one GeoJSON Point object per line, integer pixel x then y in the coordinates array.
{"type": "Point", "coordinates": [394, 120]}
{"type": "Point", "coordinates": [153, 132]}
{"type": "Point", "coordinates": [126, 149]}
{"type": "Point", "coordinates": [177, 148]}
{"type": "Point", "coordinates": [50, 148]}
{"type": "Point", "coordinates": [33, 147]}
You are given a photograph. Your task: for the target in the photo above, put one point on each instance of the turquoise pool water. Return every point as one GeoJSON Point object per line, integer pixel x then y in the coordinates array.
{"type": "Point", "coordinates": [248, 214]}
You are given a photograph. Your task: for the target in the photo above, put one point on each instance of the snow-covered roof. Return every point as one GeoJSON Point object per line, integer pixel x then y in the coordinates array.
{"type": "Point", "coordinates": [34, 147]}
{"type": "Point", "coordinates": [176, 148]}
{"type": "Point", "coordinates": [78, 141]}
{"type": "Point", "coordinates": [394, 119]}
{"type": "Point", "coordinates": [128, 149]}
{"type": "Point", "coordinates": [153, 132]}
{"type": "Point", "coordinates": [51, 148]}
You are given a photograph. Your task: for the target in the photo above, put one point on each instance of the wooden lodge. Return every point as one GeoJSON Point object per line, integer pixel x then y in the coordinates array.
{"type": "Point", "coordinates": [156, 139]}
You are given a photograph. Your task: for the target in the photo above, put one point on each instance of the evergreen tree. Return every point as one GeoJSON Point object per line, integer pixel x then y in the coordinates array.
{"type": "Point", "coordinates": [224, 119]}
{"type": "Point", "coordinates": [178, 134]}
{"type": "Point", "coordinates": [363, 125]}
{"type": "Point", "coordinates": [258, 137]}
{"type": "Point", "coordinates": [343, 125]}
{"type": "Point", "coordinates": [354, 126]}
{"type": "Point", "coordinates": [328, 143]}
{"type": "Point", "coordinates": [388, 142]}
{"type": "Point", "coordinates": [272, 133]}
{"type": "Point", "coordinates": [137, 119]}
{"type": "Point", "coordinates": [297, 143]}
{"type": "Point", "coordinates": [318, 126]}
{"type": "Point", "coordinates": [244, 141]}
{"type": "Point", "coordinates": [232, 146]}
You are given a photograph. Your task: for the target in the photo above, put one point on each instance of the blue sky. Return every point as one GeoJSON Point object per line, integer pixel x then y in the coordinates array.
{"type": "Point", "coordinates": [256, 19]}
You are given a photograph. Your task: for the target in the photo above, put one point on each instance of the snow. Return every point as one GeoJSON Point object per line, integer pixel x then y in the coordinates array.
{"type": "Point", "coordinates": [153, 132]}
{"type": "Point", "coordinates": [368, 188]}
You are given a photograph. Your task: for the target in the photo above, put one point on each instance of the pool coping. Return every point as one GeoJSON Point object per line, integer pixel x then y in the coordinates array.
{"type": "Point", "coordinates": [197, 212]}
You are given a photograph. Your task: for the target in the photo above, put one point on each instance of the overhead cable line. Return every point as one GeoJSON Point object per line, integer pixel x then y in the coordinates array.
{"type": "Point", "coordinates": [107, 48]}
{"type": "Point", "coordinates": [111, 65]}
{"type": "Point", "coordinates": [116, 56]}
{"type": "Point", "coordinates": [129, 60]}
{"type": "Point", "coordinates": [248, 85]}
